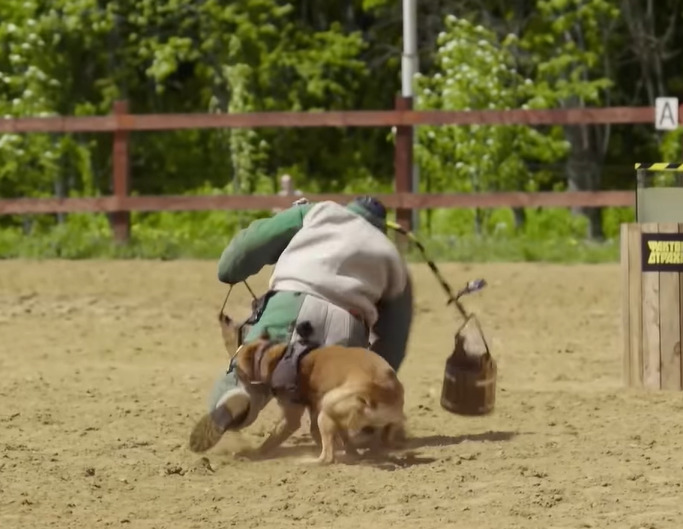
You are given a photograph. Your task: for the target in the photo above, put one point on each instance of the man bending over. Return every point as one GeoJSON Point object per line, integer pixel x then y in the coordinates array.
{"type": "Point", "coordinates": [336, 268]}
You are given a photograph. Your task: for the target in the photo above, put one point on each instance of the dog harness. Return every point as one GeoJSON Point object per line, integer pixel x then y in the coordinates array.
{"type": "Point", "coordinates": [285, 380]}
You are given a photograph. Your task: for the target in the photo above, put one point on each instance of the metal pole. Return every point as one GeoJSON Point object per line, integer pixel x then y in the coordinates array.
{"type": "Point", "coordinates": [409, 67]}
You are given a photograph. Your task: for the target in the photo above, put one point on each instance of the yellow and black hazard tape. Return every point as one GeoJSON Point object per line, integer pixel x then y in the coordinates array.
{"type": "Point", "coordinates": [660, 166]}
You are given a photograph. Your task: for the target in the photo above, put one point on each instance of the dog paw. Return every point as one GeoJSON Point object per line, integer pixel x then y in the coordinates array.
{"type": "Point", "coordinates": [326, 458]}
{"type": "Point", "coordinates": [313, 460]}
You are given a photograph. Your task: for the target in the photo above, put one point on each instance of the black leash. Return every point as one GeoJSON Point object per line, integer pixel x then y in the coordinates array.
{"type": "Point", "coordinates": [227, 296]}
{"type": "Point", "coordinates": [249, 321]}
{"type": "Point", "coordinates": [471, 286]}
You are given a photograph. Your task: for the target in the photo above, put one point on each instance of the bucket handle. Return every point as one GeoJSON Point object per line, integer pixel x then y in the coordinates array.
{"type": "Point", "coordinates": [474, 318]}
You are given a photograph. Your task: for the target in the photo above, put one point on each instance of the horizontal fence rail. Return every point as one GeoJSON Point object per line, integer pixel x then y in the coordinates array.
{"type": "Point", "coordinates": [380, 118]}
{"type": "Point", "coordinates": [120, 123]}
{"type": "Point", "coordinates": [111, 204]}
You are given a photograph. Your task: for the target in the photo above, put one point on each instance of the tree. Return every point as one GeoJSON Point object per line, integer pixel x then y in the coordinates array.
{"type": "Point", "coordinates": [566, 44]}
{"type": "Point", "coordinates": [36, 164]}
{"type": "Point", "coordinates": [76, 57]}
{"type": "Point", "coordinates": [475, 71]}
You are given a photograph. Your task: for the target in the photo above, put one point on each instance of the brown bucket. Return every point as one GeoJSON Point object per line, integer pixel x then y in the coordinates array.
{"type": "Point", "coordinates": [469, 383]}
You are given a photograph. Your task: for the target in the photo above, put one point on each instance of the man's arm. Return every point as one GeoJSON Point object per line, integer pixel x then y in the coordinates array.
{"type": "Point", "coordinates": [260, 244]}
{"type": "Point", "coordinates": [392, 328]}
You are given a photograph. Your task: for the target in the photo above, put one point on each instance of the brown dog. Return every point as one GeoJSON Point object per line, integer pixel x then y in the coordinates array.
{"type": "Point", "coordinates": [349, 392]}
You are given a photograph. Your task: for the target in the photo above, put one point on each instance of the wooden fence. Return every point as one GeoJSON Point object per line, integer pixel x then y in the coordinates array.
{"type": "Point", "coordinates": [120, 123]}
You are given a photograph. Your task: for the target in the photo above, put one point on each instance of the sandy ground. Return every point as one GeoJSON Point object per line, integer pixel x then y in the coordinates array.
{"type": "Point", "coordinates": [106, 365]}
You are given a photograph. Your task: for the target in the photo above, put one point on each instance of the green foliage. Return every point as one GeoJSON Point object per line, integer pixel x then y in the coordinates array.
{"type": "Point", "coordinates": [76, 57]}
{"type": "Point", "coordinates": [671, 146]}
{"type": "Point", "coordinates": [548, 235]}
{"type": "Point", "coordinates": [565, 47]}
{"type": "Point", "coordinates": [519, 248]}
{"type": "Point", "coordinates": [33, 165]}
{"type": "Point", "coordinates": [204, 235]}
{"type": "Point", "coordinates": [540, 223]}
{"type": "Point", "coordinates": [477, 68]}
{"type": "Point", "coordinates": [476, 71]}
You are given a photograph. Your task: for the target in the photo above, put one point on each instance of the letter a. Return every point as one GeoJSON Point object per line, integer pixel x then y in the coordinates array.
{"type": "Point", "coordinates": [666, 113]}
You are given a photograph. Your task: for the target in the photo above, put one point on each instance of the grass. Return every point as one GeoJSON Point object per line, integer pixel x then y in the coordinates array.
{"type": "Point", "coordinates": [550, 235]}
{"type": "Point", "coordinates": [519, 249]}
{"type": "Point", "coordinates": [169, 245]}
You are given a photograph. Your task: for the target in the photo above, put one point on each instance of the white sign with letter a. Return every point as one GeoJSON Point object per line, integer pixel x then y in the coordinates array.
{"type": "Point", "coordinates": [666, 113]}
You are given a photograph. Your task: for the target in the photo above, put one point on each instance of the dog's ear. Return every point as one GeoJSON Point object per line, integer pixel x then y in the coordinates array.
{"type": "Point", "coordinates": [270, 359]}
{"type": "Point", "coordinates": [229, 332]}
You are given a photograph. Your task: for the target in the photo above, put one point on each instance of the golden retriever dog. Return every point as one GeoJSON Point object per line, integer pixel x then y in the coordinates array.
{"type": "Point", "coordinates": [350, 392]}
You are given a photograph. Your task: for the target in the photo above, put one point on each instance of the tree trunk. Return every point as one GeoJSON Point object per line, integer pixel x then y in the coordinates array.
{"type": "Point", "coordinates": [520, 218]}
{"type": "Point", "coordinates": [584, 172]}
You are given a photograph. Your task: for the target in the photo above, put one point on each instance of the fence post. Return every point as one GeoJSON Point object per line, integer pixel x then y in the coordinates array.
{"type": "Point", "coordinates": [403, 163]}
{"type": "Point", "coordinates": [120, 220]}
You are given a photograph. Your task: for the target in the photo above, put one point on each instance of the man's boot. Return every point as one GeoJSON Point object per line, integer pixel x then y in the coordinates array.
{"type": "Point", "coordinates": [234, 406]}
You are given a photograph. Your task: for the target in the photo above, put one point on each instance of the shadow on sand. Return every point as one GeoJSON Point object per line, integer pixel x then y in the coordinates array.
{"type": "Point", "coordinates": [450, 440]}
{"type": "Point", "coordinates": [405, 457]}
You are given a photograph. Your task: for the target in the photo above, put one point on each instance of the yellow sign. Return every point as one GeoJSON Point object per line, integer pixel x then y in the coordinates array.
{"type": "Point", "coordinates": [665, 252]}
{"type": "Point", "coordinates": [662, 252]}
